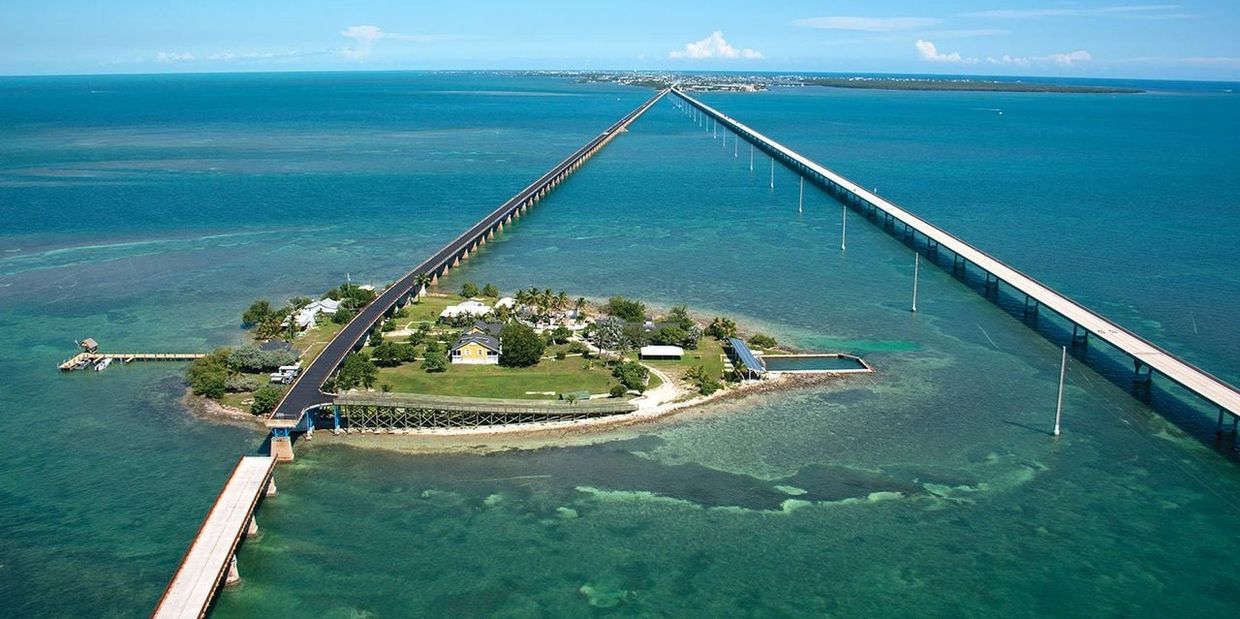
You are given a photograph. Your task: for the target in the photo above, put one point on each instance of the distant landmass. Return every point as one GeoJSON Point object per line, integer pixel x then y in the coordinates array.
{"type": "Point", "coordinates": [758, 83]}
{"type": "Point", "coordinates": [958, 85]}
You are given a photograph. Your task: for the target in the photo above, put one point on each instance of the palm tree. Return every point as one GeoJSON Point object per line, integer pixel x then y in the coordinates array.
{"type": "Point", "coordinates": [579, 306]}
{"type": "Point", "coordinates": [561, 301]}
{"type": "Point", "coordinates": [423, 280]}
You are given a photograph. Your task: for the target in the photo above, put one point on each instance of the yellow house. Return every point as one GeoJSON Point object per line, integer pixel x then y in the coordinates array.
{"type": "Point", "coordinates": [476, 349]}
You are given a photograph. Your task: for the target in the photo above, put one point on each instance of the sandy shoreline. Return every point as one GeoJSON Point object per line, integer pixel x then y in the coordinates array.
{"type": "Point", "coordinates": [499, 438]}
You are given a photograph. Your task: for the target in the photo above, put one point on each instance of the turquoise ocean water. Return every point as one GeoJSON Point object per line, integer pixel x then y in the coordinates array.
{"type": "Point", "coordinates": [148, 211]}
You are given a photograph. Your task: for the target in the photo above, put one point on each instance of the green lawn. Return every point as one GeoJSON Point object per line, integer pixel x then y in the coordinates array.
{"type": "Point", "coordinates": [708, 355]}
{"type": "Point", "coordinates": [312, 342]}
{"type": "Point", "coordinates": [492, 381]}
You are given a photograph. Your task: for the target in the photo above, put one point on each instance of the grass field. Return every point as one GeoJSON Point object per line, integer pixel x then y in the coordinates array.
{"type": "Point", "coordinates": [493, 381]}
{"type": "Point", "coordinates": [709, 355]}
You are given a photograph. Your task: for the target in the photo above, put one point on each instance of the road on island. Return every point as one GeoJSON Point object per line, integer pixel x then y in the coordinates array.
{"type": "Point", "coordinates": [306, 391]}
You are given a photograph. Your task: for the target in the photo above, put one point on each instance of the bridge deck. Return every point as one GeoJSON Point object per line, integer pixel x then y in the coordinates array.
{"type": "Point", "coordinates": [305, 392]}
{"type": "Point", "coordinates": [1192, 378]}
{"type": "Point", "coordinates": [192, 588]}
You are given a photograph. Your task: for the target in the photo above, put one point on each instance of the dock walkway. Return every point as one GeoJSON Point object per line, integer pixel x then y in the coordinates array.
{"type": "Point", "coordinates": [94, 357]}
{"type": "Point", "coordinates": [210, 555]}
{"type": "Point", "coordinates": [1142, 351]}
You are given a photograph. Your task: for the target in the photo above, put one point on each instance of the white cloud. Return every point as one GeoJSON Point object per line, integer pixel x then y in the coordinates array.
{"type": "Point", "coordinates": [1145, 11]}
{"type": "Point", "coordinates": [1066, 59]}
{"type": "Point", "coordinates": [965, 34]}
{"type": "Point", "coordinates": [173, 57]}
{"type": "Point", "coordinates": [930, 53]}
{"type": "Point", "coordinates": [714, 46]}
{"type": "Point", "coordinates": [867, 24]}
{"type": "Point", "coordinates": [365, 36]}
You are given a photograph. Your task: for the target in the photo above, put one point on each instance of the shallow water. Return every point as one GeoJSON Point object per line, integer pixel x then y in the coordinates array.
{"type": "Point", "coordinates": [151, 216]}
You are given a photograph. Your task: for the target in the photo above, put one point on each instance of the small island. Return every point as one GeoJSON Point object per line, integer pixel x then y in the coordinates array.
{"type": "Point", "coordinates": [535, 349]}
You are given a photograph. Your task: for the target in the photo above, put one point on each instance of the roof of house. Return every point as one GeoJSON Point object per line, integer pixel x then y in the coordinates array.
{"type": "Point", "coordinates": [325, 305]}
{"type": "Point", "coordinates": [466, 307]}
{"type": "Point", "coordinates": [89, 343]}
{"type": "Point", "coordinates": [506, 302]}
{"type": "Point", "coordinates": [489, 328]}
{"type": "Point", "coordinates": [662, 351]}
{"type": "Point", "coordinates": [485, 341]}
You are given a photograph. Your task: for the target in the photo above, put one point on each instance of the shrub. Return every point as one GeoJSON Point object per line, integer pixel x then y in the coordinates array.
{"type": "Point", "coordinates": [708, 386]}
{"type": "Point", "coordinates": [631, 374]}
{"type": "Point", "coordinates": [469, 289]}
{"type": "Point", "coordinates": [522, 346]}
{"type": "Point", "coordinates": [561, 355]}
{"type": "Point", "coordinates": [257, 313]}
{"type": "Point", "coordinates": [560, 335]}
{"type": "Point", "coordinates": [253, 359]}
{"type": "Point", "coordinates": [391, 353]}
{"type": "Point", "coordinates": [265, 399]}
{"type": "Point", "coordinates": [762, 340]}
{"type": "Point", "coordinates": [241, 383]}
{"type": "Point", "coordinates": [626, 309]}
{"type": "Point", "coordinates": [357, 371]}
{"type": "Point", "coordinates": [208, 376]}
{"type": "Point", "coordinates": [490, 290]}
{"type": "Point", "coordinates": [435, 361]}
{"type": "Point", "coordinates": [670, 336]}
{"type": "Point", "coordinates": [389, 325]}
{"type": "Point", "coordinates": [617, 391]}
{"type": "Point", "coordinates": [343, 316]}
{"type": "Point", "coordinates": [578, 348]}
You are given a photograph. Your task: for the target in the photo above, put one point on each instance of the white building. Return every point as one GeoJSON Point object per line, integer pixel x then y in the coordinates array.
{"type": "Point", "coordinates": [506, 302]}
{"type": "Point", "coordinates": [661, 352]}
{"type": "Point", "coordinates": [470, 307]}
{"type": "Point", "coordinates": [305, 317]}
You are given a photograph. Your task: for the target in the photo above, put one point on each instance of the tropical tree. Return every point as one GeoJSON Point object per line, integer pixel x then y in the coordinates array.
{"type": "Point", "coordinates": [423, 280]}
{"type": "Point", "coordinates": [490, 290]}
{"type": "Point", "coordinates": [522, 346]}
{"type": "Point", "coordinates": [435, 360]}
{"type": "Point", "coordinates": [469, 290]}
{"type": "Point", "coordinates": [256, 313]}
{"type": "Point", "coordinates": [721, 328]}
{"type": "Point", "coordinates": [265, 400]}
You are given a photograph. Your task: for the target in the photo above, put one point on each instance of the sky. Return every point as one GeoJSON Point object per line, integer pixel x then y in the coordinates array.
{"type": "Point", "coordinates": [1183, 39]}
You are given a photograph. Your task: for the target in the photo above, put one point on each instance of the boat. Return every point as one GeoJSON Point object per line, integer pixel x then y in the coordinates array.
{"type": "Point", "coordinates": [103, 365]}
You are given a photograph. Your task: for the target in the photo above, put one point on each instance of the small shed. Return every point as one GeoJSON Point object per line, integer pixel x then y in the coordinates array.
{"type": "Point", "coordinates": [575, 396]}
{"type": "Point", "coordinates": [661, 352]}
{"type": "Point", "coordinates": [89, 345]}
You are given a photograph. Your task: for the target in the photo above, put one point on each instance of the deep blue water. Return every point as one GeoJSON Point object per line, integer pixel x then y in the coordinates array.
{"type": "Point", "coordinates": [148, 211]}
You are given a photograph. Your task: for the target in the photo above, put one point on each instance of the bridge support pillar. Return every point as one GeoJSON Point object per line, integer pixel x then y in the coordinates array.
{"type": "Point", "coordinates": [456, 263]}
{"type": "Point", "coordinates": [1218, 428]}
{"type": "Point", "coordinates": [1142, 381]}
{"type": "Point", "coordinates": [335, 419]}
{"type": "Point", "coordinates": [281, 445]}
{"type": "Point", "coordinates": [271, 488]}
{"type": "Point", "coordinates": [234, 576]}
{"type": "Point", "coordinates": [1080, 337]}
{"type": "Point", "coordinates": [992, 284]}
{"type": "Point", "coordinates": [1031, 307]}
{"type": "Point", "coordinates": [252, 528]}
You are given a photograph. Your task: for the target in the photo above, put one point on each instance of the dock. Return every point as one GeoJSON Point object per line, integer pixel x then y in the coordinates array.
{"type": "Point", "coordinates": [84, 360]}
{"type": "Point", "coordinates": [1147, 357]}
{"type": "Point", "coordinates": [211, 558]}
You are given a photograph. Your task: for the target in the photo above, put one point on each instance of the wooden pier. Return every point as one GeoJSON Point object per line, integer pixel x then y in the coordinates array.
{"type": "Point", "coordinates": [211, 558]}
{"type": "Point", "coordinates": [85, 360]}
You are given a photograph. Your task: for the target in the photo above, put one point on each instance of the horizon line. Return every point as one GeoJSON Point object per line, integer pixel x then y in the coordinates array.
{"type": "Point", "coordinates": [579, 70]}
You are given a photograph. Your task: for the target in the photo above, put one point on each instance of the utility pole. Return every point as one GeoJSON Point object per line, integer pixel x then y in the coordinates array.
{"type": "Point", "coordinates": [1063, 366]}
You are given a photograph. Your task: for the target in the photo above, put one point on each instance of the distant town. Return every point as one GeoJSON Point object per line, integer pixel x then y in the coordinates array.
{"type": "Point", "coordinates": [730, 82]}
